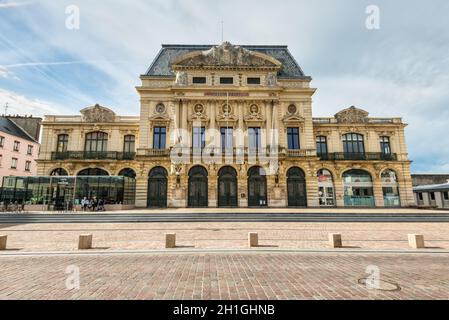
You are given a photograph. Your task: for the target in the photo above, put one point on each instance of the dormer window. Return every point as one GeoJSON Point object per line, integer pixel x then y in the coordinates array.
{"type": "Point", "coordinates": [253, 80]}
{"type": "Point", "coordinates": [226, 80]}
{"type": "Point", "coordinates": [199, 80]}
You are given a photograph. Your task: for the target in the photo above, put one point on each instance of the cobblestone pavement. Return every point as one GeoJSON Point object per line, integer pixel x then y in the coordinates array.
{"type": "Point", "coordinates": [250, 275]}
{"type": "Point", "coordinates": [222, 235]}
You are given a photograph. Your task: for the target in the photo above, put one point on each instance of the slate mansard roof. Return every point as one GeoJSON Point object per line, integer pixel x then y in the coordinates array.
{"type": "Point", "coordinates": [161, 66]}
{"type": "Point", "coordinates": [9, 127]}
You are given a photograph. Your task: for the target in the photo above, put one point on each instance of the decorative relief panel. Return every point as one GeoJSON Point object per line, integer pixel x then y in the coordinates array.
{"type": "Point", "coordinates": [97, 113]}
{"type": "Point", "coordinates": [352, 115]}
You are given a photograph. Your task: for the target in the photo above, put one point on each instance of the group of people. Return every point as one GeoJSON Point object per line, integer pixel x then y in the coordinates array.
{"type": "Point", "coordinates": [12, 207]}
{"type": "Point", "coordinates": [92, 204]}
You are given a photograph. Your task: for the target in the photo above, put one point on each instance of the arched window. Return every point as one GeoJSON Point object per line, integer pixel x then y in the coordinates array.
{"type": "Point", "coordinates": [129, 144]}
{"type": "Point", "coordinates": [326, 193]}
{"type": "Point", "coordinates": [96, 142]}
{"type": "Point", "coordinates": [358, 188]}
{"type": "Point", "coordinates": [130, 173]}
{"type": "Point", "coordinates": [390, 188]}
{"type": "Point", "coordinates": [63, 141]}
{"type": "Point", "coordinates": [353, 143]}
{"type": "Point", "coordinates": [59, 172]}
{"type": "Point", "coordinates": [93, 172]}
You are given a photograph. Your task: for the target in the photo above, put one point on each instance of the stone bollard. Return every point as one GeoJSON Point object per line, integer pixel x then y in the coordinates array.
{"type": "Point", "coordinates": [335, 240]}
{"type": "Point", "coordinates": [416, 241]}
{"type": "Point", "coordinates": [253, 239]}
{"type": "Point", "coordinates": [170, 240]}
{"type": "Point", "coordinates": [85, 242]}
{"type": "Point", "coordinates": [3, 240]}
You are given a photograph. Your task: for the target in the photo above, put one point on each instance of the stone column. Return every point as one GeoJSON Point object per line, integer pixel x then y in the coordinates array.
{"type": "Point", "coordinates": [312, 188]}
{"type": "Point", "coordinates": [269, 124]}
{"type": "Point", "coordinates": [378, 193]}
{"type": "Point", "coordinates": [339, 191]}
{"type": "Point", "coordinates": [242, 186]}
{"type": "Point", "coordinates": [185, 126]}
{"type": "Point", "coordinates": [212, 187]}
{"type": "Point", "coordinates": [141, 190]}
{"type": "Point", "coordinates": [212, 137]}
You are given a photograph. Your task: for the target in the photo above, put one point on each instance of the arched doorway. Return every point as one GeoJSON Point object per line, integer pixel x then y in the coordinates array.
{"type": "Point", "coordinates": [157, 188]}
{"type": "Point", "coordinates": [296, 188]}
{"type": "Point", "coordinates": [358, 185]}
{"type": "Point", "coordinates": [326, 193]}
{"type": "Point", "coordinates": [257, 187]}
{"type": "Point", "coordinates": [198, 190]}
{"type": "Point", "coordinates": [227, 187]}
{"type": "Point", "coordinates": [390, 189]}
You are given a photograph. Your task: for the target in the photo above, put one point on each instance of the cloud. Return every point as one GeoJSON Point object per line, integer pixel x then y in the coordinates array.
{"type": "Point", "coordinates": [14, 4]}
{"type": "Point", "coordinates": [6, 73]}
{"type": "Point", "coordinates": [400, 70]}
{"type": "Point", "coordinates": [19, 104]}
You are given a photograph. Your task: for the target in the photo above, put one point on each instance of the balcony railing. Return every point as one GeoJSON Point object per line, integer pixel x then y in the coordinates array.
{"type": "Point", "coordinates": [358, 156]}
{"type": "Point", "coordinates": [153, 152]}
{"type": "Point", "coordinates": [89, 155]}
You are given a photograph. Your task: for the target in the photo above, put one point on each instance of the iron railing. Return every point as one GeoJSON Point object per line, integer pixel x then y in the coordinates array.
{"type": "Point", "coordinates": [90, 155]}
{"type": "Point", "coordinates": [358, 156]}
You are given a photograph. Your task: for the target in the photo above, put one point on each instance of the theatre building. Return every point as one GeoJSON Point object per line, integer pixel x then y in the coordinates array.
{"type": "Point", "coordinates": [230, 126]}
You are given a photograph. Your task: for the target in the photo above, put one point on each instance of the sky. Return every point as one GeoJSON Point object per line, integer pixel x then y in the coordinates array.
{"type": "Point", "coordinates": [400, 69]}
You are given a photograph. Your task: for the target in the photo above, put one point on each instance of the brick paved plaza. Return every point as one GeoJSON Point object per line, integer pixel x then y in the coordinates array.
{"type": "Point", "coordinates": [225, 276]}
{"type": "Point", "coordinates": [278, 269]}
{"type": "Point", "coordinates": [222, 235]}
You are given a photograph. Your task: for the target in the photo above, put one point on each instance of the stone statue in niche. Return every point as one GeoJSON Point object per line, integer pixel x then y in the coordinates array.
{"type": "Point", "coordinates": [181, 78]}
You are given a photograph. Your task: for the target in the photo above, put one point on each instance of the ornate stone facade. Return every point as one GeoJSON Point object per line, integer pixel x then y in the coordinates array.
{"type": "Point", "coordinates": [247, 110]}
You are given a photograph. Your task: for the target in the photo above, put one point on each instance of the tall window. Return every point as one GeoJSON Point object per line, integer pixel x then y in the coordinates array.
{"type": "Point", "coordinates": [159, 137]}
{"type": "Point", "coordinates": [16, 146]}
{"type": "Point", "coordinates": [446, 195]}
{"type": "Point", "coordinates": [293, 138]}
{"type": "Point", "coordinates": [30, 150]}
{"type": "Point", "coordinates": [14, 163]}
{"type": "Point", "coordinates": [28, 166]}
{"type": "Point", "coordinates": [353, 143]}
{"type": "Point", "coordinates": [96, 142]}
{"type": "Point", "coordinates": [226, 138]}
{"type": "Point", "coordinates": [385, 145]}
{"type": "Point", "coordinates": [2, 142]}
{"type": "Point", "coordinates": [129, 144]}
{"type": "Point", "coordinates": [321, 145]}
{"type": "Point", "coordinates": [254, 138]}
{"type": "Point", "coordinates": [63, 141]}
{"type": "Point", "coordinates": [198, 137]}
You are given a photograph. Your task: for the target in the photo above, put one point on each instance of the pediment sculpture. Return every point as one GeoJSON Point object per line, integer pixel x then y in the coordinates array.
{"type": "Point", "coordinates": [352, 115]}
{"type": "Point", "coordinates": [227, 55]}
{"type": "Point", "coordinates": [97, 114]}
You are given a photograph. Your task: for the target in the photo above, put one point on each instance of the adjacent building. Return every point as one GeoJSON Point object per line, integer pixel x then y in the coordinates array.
{"type": "Point", "coordinates": [232, 126]}
{"type": "Point", "coordinates": [19, 145]}
{"type": "Point", "coordinates": [432, 196]}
